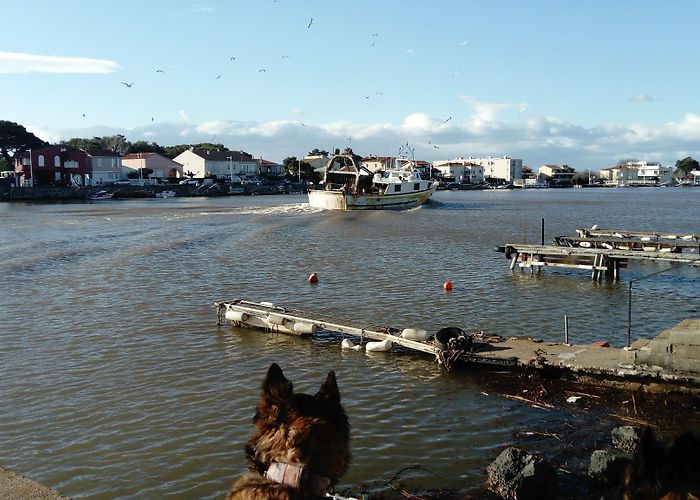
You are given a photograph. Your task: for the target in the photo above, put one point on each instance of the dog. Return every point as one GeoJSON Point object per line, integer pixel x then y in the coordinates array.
{"type": "Point", "coordinates": [660, 472]}
{"type": "Point", "coordinates": [301, 443]}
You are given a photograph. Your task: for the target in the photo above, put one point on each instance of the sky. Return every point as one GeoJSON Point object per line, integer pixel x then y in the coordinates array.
{"type": "Point", "coordinates": [585, 83]}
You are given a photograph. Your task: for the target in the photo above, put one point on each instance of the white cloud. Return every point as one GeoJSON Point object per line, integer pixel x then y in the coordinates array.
{"type": "Point", "coordinates": [536, 139]}
{"type": "Point", "coordinates": [198, 7]}
{"type": "Point", "coordinates": [17, 62]}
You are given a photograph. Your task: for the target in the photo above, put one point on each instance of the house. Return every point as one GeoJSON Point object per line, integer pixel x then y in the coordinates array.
{"type": "Point", "coordinates": [58, 165]}
{"type": "Point", "coordinates": [461, 170]}
{"type": "Point", "coordinates": [503, 169]}
{"type": "Point", "coordinates": [161, 166]}
{"type": "Point", "coordinates": [105, 167]}
{"type": "Point", "coordinates": [556, 175]}
{"type": "Point", "coordinates": [232, 165]}
{"type": "Point", "coordinates": [619, 175]}
{"type": "Point", "coordinates": [652, 173]}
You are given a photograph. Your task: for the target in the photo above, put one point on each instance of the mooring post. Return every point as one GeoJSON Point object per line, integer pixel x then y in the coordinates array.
{"type": "Point", "coordinates": [629, 315]}
{"type": "Point", "coordinates": [566, 329]}
{"type": "Point", "coordinates": [542, 231]}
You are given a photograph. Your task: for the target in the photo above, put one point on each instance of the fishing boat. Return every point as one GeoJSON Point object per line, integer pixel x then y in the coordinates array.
{"type": "Point", "coordinates": [348, 185]}
{"type": "Point", "coordinates": [100, 195]}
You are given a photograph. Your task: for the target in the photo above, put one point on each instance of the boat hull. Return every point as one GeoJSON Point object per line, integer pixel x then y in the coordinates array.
{"type": "Point", "coordinates": [339, 200]}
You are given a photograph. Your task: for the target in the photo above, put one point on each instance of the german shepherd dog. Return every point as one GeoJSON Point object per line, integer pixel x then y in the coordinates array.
{"type": "Point", "coordinates": [301, 443]}
{"type": "Point", "coordinates": [661, 472]}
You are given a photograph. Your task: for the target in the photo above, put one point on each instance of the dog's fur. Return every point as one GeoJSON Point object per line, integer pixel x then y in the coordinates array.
{"type": "Point", "coordinates": [660, 472]}
{"type": "Point", "coordinates": [294, 429]}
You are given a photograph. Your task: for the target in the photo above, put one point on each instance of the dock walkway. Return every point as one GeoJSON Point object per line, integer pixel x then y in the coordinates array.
{"type": "Point", "coordinates": [671, 361]}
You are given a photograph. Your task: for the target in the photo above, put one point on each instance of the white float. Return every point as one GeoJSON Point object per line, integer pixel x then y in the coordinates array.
{"type": "Point", "coordinates": [415, 334]}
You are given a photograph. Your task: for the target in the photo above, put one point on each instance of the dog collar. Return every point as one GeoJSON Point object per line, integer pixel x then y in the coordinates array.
{"type": "Point", "coordinates": [299, 477]}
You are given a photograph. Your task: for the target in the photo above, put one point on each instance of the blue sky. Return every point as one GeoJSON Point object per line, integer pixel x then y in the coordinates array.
{"type": "Point", "coordinates": [585, 83]}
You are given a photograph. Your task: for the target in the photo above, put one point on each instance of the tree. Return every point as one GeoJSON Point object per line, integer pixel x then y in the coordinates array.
{"type": "Point", "coordinates": [318, 152]}
{"type": "Point", "coordinates": [116, 143]}
{"type": "Point", "coordinates": [145, 147]}
{"type": "Point", "coordinates": [14, 137]}
{"type": "Point", "coordinates": [85, 144]}
{"type": "Point", "coordinates": [686, 165]}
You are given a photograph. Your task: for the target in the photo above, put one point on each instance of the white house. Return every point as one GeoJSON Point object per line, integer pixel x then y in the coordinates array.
{"type": "Point", "coordinates": [461, 170]}
{"type": "Point", "coordinates": [505, 169]}
{"type": "Point", "coordinates": [161, 166]}
{"type": "Point", "coordinates": [619, 175]}
{"type": "Point", "coordinates": [652, 173]}
{"type": "Point", "coordinates": [226, 164]}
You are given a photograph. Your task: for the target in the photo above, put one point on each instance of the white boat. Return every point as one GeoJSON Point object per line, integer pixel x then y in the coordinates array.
{"type": "Point", "coordinates": [166, 194]}
{"type": "Point", "coordinates": [100, 195]}
{"type": "Point", "coordinates": [347, 185]}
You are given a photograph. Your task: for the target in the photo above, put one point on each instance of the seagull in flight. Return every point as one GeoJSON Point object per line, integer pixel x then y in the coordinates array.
{"type": "Point", "coordinates": [436, 147]}
{"type": "Point", "coordinates": [218, 77]}
{"type": "Point", "coordinates": [300, 123]}
{"type": "Point", "coordinates": [262, 70]}
{"type": "Point", "coordinates": [160, 71]}
{"type": "Point", "coordinates": [128, 84]}
{"type": "Point", "coordinates": [447, 119]}
{"type": "Point", "coordinates": [232, 58]}
{"type": "Point", "coordinates": [83, 115]}
{"type": "Point", "coordinates": [311, 21]}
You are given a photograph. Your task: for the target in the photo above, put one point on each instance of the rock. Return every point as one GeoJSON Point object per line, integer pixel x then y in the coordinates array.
{"type": "Point", "coordinates": [607, 465]}
{"type": "Point", "coordinates": [626, 438]}
{"type": "Point", "coordinates": [518, 474]}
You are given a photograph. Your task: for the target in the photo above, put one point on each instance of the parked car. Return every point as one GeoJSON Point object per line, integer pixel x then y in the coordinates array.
{"type": "Point", "coordinates": [189, 182]}
{"type": "Point", "coordinates": [122, 182]}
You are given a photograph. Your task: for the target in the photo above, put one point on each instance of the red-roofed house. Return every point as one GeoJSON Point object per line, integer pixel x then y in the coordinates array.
{"type": "Point", "coordinates": [58, 165]}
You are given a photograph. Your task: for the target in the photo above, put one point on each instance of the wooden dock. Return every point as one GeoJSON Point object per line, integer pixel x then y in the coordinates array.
{"type": "Point", "coordinates": [639, 245]}
{"type": "Point", "coordinates": [672, 360]}
{"type": "Point", "coordinates": [599, 261]}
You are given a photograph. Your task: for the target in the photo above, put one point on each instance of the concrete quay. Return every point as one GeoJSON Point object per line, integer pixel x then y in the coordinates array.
{"type": "Point", "coordinates": [16, 487]}
{"type": "Point", "coordinates": [670, 361]}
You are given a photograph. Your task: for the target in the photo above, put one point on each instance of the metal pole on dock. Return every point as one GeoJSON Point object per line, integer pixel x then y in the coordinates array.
{"type": "Point", "coordinates": [542, 231]}
{"type": "Point", "coordinates": [629, 315]}
{"type": "Point", "coordinates": [566, 329]}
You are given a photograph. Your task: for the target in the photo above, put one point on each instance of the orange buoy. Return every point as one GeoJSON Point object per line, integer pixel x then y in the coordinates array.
{"type": "Point", "coordinates": [313, 278]}
{"type": "Point", "coordinates": [447, 285]}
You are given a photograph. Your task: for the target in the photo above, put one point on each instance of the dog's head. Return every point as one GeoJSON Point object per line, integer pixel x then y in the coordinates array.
{"type": "Point", "coordinates": [300, 429]}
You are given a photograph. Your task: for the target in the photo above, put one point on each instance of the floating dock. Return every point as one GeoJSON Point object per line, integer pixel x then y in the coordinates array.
{"type": "Point", "coordinates": [595, 232]}
{"type": "Point", "coordinates": [599, 261]}
{"type": "Point", "coordinates": [671, 361]}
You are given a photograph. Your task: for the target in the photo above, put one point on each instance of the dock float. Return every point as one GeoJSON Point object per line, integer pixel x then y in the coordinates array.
{"type": "Point", "coordinates": [671, 361]}
{"type": "Point", "coordinates": [599, 261]}
{"type": "Point", "coordinates": [595, 232]}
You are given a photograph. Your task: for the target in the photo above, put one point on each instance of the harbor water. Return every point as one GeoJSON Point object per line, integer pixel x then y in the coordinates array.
{"type": "Point", "coordinates": [115, 380]}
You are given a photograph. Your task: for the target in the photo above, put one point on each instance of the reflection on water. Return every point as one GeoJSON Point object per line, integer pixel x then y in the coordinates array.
{"type": "Point", "coordinates": [117, 382]}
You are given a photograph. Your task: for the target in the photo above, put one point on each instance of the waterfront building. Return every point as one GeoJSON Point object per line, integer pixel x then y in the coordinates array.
{"type": "Point", "coordinates": [105, 167]}
{"type": "Point", "coordinates": [637, 173]}
{"type": "Point", "coordinates": [461, 170]}
{"type": "Point", "coordinates": [231, 165]}
{"type": "Point", "coordinates": [556, 175]}
{"type": "Point", "coordinates": [161, 166]}
{"type": "Point", "coordinates": [652, 173]}
{"type": "Point", "coordinates": [58, 165]}
{"type": "Point", "coordinates": [504, 169]}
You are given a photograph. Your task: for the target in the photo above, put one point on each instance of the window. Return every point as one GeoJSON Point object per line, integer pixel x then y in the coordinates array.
{"type": "Point", "coordinates": [416, 186]}
{"type": "Point", "coordinates": [99, 162]}
{"type": "Point", "coordinates": [56, 161]}
{"type": "Point", "coordinates": [397, 188]}
{"type": "Point", "coordinates": [41, 160]}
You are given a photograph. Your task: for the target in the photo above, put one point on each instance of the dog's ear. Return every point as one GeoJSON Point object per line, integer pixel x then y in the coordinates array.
{"type": "Point", "coordinates": [329, 389]}
{"type": "Point", "coordinates": [276, 388]}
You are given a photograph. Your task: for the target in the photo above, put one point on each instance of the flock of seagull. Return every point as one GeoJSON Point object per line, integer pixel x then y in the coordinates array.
{"type": "Point", "coordinates": [263, 70]}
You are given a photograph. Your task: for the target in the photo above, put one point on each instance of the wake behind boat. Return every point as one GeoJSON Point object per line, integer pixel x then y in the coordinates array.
{"type": "Point", "coordinates": [348, 185]}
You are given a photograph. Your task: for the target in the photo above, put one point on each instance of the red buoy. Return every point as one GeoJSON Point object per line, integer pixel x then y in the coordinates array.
{"type": "Point", "coordinates": [313, 278]}
{"type": "Point", "coordinates": [447, 285]}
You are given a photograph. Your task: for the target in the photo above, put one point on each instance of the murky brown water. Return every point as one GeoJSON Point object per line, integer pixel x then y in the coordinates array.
{"type": "Point", "coordinates": [116, 382]}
